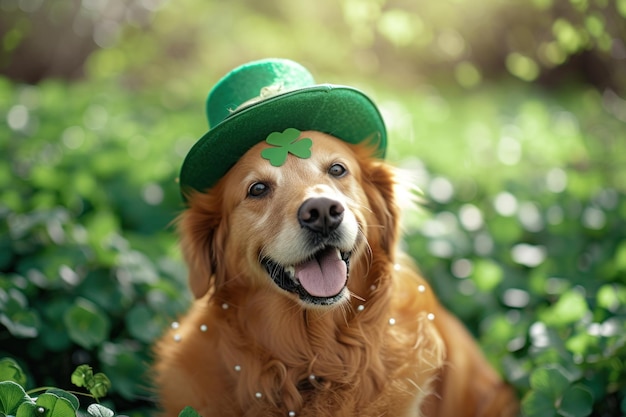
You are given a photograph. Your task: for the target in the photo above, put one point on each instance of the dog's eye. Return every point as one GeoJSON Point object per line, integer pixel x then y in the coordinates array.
{"type": "Point", "coordinates": [258, 189]}
{"type": "Point", "coordinates": [337, 170]}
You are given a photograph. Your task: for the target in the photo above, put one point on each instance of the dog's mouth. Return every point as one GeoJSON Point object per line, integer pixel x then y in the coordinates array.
{"type": "Point", "coordinates": [320, 279]}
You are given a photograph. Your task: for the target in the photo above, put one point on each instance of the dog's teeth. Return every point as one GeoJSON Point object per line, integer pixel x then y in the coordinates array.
{"type": "Point", "coordinates": [291, 270]}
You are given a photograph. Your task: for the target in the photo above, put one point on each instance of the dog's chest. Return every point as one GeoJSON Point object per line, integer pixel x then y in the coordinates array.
{"type": "Point", "coordinates": [344, 378]}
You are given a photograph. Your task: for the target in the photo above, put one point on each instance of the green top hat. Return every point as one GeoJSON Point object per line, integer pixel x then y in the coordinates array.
{"type": "Point", "coordinates": [262, 97]}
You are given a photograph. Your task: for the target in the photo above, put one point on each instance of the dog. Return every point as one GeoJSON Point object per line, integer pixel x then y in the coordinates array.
{"type": "Point", "coordinates": [305, 306]}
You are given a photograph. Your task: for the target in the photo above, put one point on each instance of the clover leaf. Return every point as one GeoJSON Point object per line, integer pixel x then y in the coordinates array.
{"type": "Point", "coordinates": [97, 384]}
{"type": "Point", "coordinates": [286, 143]}
{"type": "Point", "coordinates": [11, 371]}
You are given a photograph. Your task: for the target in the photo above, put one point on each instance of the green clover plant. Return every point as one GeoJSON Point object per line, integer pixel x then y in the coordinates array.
{"type": "Point", "coordinates": [54, 402]}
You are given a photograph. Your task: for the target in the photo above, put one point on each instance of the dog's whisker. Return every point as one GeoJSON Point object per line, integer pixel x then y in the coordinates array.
{"type": "Point", "coordinates": [416, 385]}
{"type": "Point", "coordinates": [368, 251]}
{"type": "Point", "coordinates": [262, 253]}
{"type": "Point", "coordinates": [346, 309]}
{"type": "Point", "coordinates": [353, 203]}
{"type": "Point", "coordinates": [295, 308]}
{"type": "Point", "coordinates": [375, 226]}
{"type": "Point", "coordinates": [358, 297]}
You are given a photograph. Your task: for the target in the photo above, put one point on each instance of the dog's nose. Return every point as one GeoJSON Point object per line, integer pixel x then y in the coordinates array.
{"type": "Point", "coordinates": [321, 214]}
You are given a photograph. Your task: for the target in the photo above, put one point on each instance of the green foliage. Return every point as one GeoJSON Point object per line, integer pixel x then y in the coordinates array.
{"type": "Point", "coordinates": [522, 235]}
{"type": "Point", "coordinates": [47, 404]}
{"type": "Point", "coordinates": [54, 402]}
{"type": "Point", "coordinates": [524, 239]}
{"type": "Point", "coordinates": [98, 384]}
{"type": "Point", "coordinates": [97, 410]}
{"type": "Point", "coordinates": [88, 264]}
{"type": "Point", "coordinates": [460, 40]}
{"type": "Point", "coordinates": [553, 394]}
{"type": "Point", "coordinates": [188, 412]}
{"type": "Point", "coordinates": [12, 396]}
{"type": "Point", "coordinates": [11, 371]}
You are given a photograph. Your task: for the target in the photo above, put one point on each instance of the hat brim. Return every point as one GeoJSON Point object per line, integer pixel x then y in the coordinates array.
{"type": "Point", "coordinates": [343, 112]}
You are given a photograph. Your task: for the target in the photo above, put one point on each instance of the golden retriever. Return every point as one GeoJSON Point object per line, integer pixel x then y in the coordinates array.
{"type": "Point", "coordinates": [306, 308]}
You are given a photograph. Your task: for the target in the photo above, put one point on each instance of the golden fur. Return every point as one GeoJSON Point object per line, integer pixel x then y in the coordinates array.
{"type": "Point", "coordinates": [249, 348]}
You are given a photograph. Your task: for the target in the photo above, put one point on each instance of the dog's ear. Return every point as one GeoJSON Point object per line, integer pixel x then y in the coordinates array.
{"type": "Point", "coordinates": [201, 229]}
{"type": "Point", "coordinates": [379, 184]}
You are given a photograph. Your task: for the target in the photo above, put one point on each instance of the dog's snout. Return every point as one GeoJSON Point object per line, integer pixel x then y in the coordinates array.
{"type": "Point", "coordinates": [320, 214]}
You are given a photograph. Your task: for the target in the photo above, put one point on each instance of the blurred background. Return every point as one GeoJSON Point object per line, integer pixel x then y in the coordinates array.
{"type": "Point", "coordinates": [510, 114]}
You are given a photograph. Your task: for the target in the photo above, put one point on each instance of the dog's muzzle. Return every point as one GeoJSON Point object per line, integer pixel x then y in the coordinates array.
{"type": "Point", "coordinates": [320, 280]}
{"type": "Point", "coordinates": [322, 277]}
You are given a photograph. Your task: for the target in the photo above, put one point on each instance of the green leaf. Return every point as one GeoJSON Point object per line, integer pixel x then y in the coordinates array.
{"type": "Point", "coordinates": [523, 67]}
{"type": "Point", "coordinates": [621, 7]}
{"type": "Point", "coordinates": [55, 406]}
{"type": "Point", "coordinates": [6, 251]}
{"type": "Point", "coordinates": [570, 308]}
{"type": "Point", "coordinates": [125, 366]}
{"type": "Point", "coordinates": [577, 402]}
{"type": "Point", "coordinates": [100, 385]}
{"type": "Point", "coordinates": [11, 371]}
{"type": "Point", "coordinates": [106, 292]}
{"type": "Point", "coordinates": [144, 324]}
{"type": "Point", "coordinates": [12, 396]}
{"type": "Point", "coordinates": [29, 409]}
{"type": "Point", "coordinates": [98, 410]}
{"type": "Point", "coordinates": [595, 24]}
{"type": "Point", "coordinates": [487, 275]}
{"type": "Point", "coordinates": [67, 395]}
{"type": "Point", "coordinates": [86, 324]}
{"type": "Point", "coordinates": [550, 380]}
{"type": "Point", "coordinates": [566, 35]}
{"type": "Point", "coordinates": [82, 375]}
{"type": "Point", "coordinates": [17, 316]}
{"type": "Point", "coordinates": [580, 343]}
{"type": "Point", "coordinates": [537, 404]}
{"type": "Point", "coordinates": [55, 336]}
{"type": "Point", "coordinates": [611, 296]}
{"type": "Point", "coordinates": [188, 412]}
{"type": "Point", "coordinates": [23, 323]}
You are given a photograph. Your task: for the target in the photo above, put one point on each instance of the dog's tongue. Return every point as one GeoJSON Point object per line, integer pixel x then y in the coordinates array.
{"type": "Point", "coordinates": [325, 275]}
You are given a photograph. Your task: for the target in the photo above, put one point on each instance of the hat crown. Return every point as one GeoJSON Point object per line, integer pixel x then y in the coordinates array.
{"type": "Point", "coordinates": [254, 82]}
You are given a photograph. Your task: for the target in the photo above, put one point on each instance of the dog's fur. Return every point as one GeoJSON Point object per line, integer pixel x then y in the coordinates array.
{"type": "Point", "coordinates": [249, 348]}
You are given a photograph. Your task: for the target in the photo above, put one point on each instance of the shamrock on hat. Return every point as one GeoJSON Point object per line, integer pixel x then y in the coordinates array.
{"type": "Point", "coordinates": [286, 143]}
